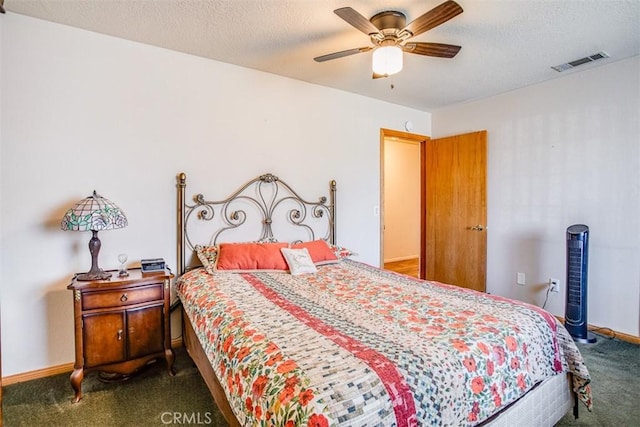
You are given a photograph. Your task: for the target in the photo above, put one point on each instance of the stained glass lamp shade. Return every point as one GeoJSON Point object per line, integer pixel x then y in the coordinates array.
{"type": "Point", "coordinates": [94, 213]}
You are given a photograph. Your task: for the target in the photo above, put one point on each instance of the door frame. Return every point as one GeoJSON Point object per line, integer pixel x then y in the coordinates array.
{"type": "Point", "coordinates": [422, 141]}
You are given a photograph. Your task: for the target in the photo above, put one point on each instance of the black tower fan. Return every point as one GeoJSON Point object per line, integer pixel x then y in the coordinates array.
{"type": "Point", "coordinates": [576, 304]}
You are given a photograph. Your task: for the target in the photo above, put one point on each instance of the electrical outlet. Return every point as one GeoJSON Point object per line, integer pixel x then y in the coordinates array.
{"type": "Point", "coordinates": [520, 279]}
{"type": "Point", "coordinates": [554, 285]}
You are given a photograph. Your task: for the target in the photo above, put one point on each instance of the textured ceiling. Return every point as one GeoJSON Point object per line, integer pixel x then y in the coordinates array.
{"type": "Point", "coordinates": [506, 44]}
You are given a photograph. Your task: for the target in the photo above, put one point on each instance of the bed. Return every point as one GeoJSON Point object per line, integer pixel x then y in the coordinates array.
{"type": "Point", "coordinates": [288, 329]}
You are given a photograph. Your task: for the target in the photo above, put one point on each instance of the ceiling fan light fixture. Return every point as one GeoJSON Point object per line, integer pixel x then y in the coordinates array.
{"type": "Point", "coordinates": [387, 60]}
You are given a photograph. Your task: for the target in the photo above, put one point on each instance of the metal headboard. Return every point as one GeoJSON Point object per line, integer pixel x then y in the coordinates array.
{"type": "Point", "coordinates": [269, 193]}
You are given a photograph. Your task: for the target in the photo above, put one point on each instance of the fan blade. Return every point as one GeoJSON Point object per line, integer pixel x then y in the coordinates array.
{"type": "Point", "coordinates": [436, 16]}
{"type": "Point", "coordinates": [379, 76]}
{"type": "Point", "coordinates": [357, 20]}
{"type": "Point", "coordinates": [439, 50]}
{"type": "Point", "coordinates": [336, 55]}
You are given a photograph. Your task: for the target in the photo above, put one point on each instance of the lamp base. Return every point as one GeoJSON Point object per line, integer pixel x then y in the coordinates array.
{"type": "Point", "coordinates": [95, 273]}
{"type": "Point", "coordinates": [98, 275]}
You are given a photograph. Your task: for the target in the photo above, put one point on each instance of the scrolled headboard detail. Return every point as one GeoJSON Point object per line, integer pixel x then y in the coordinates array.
{"type": "Point", "coordinates": [261, 200]}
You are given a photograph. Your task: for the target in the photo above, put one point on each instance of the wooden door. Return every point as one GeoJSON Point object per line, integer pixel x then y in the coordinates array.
{"type": "Point", "coordinates": [456, 210]}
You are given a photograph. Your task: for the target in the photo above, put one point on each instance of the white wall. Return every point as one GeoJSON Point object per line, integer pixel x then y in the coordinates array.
{"type": "Point", "coordinates": [83, 111]}
{"type": "Point", "coordinates": [561, 153]}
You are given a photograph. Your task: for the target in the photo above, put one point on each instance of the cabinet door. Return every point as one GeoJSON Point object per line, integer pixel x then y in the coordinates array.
{"type": "Point", "coordinates": [145, 330]}
{"type": "Point", "coordinates": [103, 335]}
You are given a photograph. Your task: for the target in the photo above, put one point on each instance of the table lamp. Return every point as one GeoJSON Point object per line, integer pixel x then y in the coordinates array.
{"type": "Point", "coordinates": [94, 213]}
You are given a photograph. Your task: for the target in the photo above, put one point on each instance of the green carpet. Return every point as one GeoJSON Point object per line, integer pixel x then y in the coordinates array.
{"type": "Point", "coordinates": [614, 367]}
{"type": "Point", "coordinates": [150, 398]}
{"type": "Point", "coordinates": [153, 398]}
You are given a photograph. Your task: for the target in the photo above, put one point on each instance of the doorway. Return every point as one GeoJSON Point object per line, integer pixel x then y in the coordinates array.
{"type": "Point", "coordinates": [453, 211]}
{"type": "Point", "coordinates": [402, 201]}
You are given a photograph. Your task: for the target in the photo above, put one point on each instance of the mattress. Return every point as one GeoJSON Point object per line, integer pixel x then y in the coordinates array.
{"type": "Point", "coordinates": [543, 406]}
{"type": "Point", "coordinates": [355, 345]}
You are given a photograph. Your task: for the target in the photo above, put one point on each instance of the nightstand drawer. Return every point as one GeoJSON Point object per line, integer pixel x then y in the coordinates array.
{"type": "Point", "coordinates": [93, 300]}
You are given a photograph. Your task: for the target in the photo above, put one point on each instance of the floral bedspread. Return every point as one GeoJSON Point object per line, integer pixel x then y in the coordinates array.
{"type": "Point", "coordinates": [356, 345]}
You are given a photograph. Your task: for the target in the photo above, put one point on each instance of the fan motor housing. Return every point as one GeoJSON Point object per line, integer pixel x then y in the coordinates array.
{"type": "Point", "coordinates": [389, 20]}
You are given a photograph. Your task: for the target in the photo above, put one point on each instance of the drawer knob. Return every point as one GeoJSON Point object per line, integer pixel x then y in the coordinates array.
{"type": "Point", "coordinates": [120, 335]}
{"type": "Point", "coordinates": [124, 297]}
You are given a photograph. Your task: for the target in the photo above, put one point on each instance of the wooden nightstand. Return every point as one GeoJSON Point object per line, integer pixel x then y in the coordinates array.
{"type": "Point", "coordinates": [121, 324]}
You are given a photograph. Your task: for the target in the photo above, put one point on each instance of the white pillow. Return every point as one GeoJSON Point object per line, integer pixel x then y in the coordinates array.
{"type": "Point", "coordinates": [299, 261]}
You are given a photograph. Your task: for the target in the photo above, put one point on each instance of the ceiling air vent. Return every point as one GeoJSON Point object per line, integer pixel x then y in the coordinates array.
{"type": "Point", "coordinates": [585, 60]}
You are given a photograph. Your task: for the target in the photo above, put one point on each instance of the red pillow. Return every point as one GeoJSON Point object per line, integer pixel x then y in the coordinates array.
{"type": "Point", "coordinates": [319, 250]}
{"type": "Point", "coordinates": [251, 256]}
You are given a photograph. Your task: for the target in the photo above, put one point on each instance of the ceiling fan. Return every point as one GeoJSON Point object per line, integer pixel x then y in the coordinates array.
{"type": "Point", "coordinates": [389, 34]}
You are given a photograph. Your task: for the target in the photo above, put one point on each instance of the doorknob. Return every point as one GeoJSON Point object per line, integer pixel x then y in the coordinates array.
{"type": "Point", "coordinates": [478, 227]}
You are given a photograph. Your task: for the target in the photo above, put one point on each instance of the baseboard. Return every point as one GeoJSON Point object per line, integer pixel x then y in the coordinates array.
{"type": "Point", "coordinates": [39, 373]}
{"type": "Point", "coordinates": [55, 370]}
{"type": "Point", "coordinates": [614, 334]}
{"type": "Point", "coordinates": [608, 332]}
